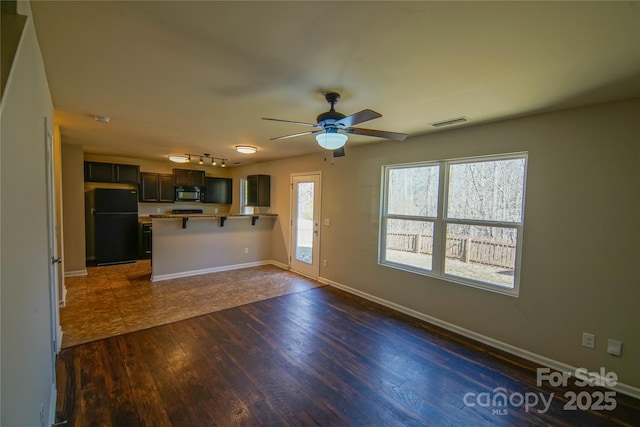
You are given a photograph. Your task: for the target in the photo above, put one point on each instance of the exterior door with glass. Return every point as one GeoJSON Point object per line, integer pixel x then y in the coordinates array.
{"type": "Point", "coordinates": [305, 224]}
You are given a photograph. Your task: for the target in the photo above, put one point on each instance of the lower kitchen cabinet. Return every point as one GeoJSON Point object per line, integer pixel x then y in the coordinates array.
{"type": "Point", "coordinates": [145, 240]}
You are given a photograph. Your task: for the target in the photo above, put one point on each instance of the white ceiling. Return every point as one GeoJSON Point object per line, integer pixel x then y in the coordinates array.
{"type": "Point", "coordinates": [197, 77]}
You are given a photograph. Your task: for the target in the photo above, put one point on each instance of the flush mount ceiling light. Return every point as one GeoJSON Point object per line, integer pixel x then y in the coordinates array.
{"type": "Point", "coordinates": [331, 139]}
{"type": "Point", "coordinates": [179, 159]}
{"type": "Point", "coordinates": [246, 149]}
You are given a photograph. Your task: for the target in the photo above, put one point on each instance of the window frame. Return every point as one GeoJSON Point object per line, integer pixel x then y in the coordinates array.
{"type": "Point", "coordinates": [441, 221]}
{"type": "Point", "coordinates": [244, 209]}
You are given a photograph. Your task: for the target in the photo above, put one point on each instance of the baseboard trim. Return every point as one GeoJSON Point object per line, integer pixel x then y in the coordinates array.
{"type": "Point", "coordinates": [59, 342]}
{"type": "Point", "coordinates": [279, 264]}
{"type": "Point", "coordinates": [53, 398]}
{"type": "Point", "coordinates": [63, 301]}
{"type": "Point", "coordinates": [75, 273]}
{"type": "Point", "coordinates": [525, 354]}
{"type": "Point", "coordinates": [162, 277]}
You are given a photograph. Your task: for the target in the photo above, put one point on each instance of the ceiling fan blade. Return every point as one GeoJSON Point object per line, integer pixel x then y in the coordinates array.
{"type": "Point", "coordinates": [359, 117]}
{"type": "Point", "coordinates": [290, 121]}
{"type": "Point", "coordinates": [378, 133]}
{"type": "Point", "coordinates": [295, 134]}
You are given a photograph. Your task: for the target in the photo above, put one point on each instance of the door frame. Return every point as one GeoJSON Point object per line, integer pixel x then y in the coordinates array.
{"type": "Point", "coordinates": [292, 244]}
{"type": "Point", "coordinates": [52, 242]}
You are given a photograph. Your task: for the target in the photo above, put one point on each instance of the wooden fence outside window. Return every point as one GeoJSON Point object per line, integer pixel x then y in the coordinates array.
{"type": "Point", "coordinates": [479, 251]}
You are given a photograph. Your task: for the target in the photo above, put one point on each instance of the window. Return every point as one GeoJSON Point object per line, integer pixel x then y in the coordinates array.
{"type": "Point", "coordinates": [244, 209]}
{"type": "Point", "coordinates": [460, 220]}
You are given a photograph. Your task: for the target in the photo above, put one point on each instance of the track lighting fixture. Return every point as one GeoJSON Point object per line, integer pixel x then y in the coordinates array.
{"type": "Point", "coordinates": [186, 158]}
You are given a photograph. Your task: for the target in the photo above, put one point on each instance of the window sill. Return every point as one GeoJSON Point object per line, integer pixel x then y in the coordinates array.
{"type": "Point", "coordinates": [502, 290]}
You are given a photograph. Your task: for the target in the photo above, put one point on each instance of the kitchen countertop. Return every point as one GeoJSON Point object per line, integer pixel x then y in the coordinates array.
{"type": "Point", "coordinates": [144, 219]}
{"type": "Point", "coordinates": [221, 217]}
{"type": "Point", "coordinates": [216, 215]}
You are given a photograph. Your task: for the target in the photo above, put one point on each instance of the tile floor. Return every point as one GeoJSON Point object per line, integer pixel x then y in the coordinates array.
{"type": "Point", "coordinates": [116, 299]}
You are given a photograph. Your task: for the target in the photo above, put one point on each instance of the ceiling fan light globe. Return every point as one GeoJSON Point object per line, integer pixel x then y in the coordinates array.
{"type": "Point", "coordinates": [331, 140]}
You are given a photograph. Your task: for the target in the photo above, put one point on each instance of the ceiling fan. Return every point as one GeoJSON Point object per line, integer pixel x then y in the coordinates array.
{"type": "Point", "coordinates": [333, 127]}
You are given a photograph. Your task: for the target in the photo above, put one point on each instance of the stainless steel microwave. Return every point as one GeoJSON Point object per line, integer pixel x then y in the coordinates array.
{"type": "Point", "coordinates": [189, 194]}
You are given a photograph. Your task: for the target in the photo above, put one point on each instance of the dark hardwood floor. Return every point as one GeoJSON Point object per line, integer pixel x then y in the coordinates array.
{"type": "Point", "coordinates": [318, 357]}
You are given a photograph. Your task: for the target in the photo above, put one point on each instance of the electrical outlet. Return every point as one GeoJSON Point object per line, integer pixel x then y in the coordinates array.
{"type": "Point", "coordinates": [588, 340]}
{"type": "Point", "coordinates": [324, 262]}
{"type": "Point", "coordinates": [246, 250]}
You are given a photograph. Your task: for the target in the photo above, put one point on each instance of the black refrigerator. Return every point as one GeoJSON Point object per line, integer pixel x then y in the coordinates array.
{"type": "Point", "coordinates": [112, 225]}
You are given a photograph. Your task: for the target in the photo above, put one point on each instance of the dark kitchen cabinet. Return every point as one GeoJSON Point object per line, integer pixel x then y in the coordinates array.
{"type": "Point", "coordinates": [166, 190]}
{"type": "Point", "coordinates": [188, 177]}
{"type": "Point", "coordinates": [127, 173]}
{"type": "Point", "coordinates": [145, 240]}
{"type": "Point", "coordinates": [259, 190]}
{"type": "Point", "coordinates": [111, 172]}
{"type": "Point", "coordinates": [219, 190]}
{"type": "Point", "coordinates": [98, 172]}
{"type": "Point", "coordinates": [156, 187]}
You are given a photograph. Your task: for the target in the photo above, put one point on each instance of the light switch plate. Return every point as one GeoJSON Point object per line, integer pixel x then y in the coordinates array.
{"type": "Point", "coordinates": [588, 340]}
{"type": "Point", "coordinates": [614, 347]}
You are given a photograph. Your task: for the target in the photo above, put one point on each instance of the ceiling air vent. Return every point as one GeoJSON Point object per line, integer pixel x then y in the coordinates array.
{"type": "Point", "coordinates": [450, 122]}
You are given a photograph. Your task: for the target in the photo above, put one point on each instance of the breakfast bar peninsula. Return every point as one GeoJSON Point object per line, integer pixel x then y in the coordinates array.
{"type": "Point", "coordinates": [191, 244]}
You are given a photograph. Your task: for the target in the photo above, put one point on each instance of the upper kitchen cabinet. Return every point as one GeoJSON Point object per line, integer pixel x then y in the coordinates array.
{"type": "Point", "coordinates": [188, 177]}
{"type": "Point", "coordinates": [127, 173]}
{"type": "Point", "coordinates": [259, 190]}
{"type": "Point", "coordinates": [156, 187]}
{"type": "Point", "coordinates": [110, 172]}
{"type": "Point", "coordinates": [219, 190]}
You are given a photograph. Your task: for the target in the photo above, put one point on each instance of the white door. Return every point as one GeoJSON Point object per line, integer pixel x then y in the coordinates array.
{"type": "Point", "coordinates": [305, 224]}
{"type": "Point", "coordinates": [54, 258]}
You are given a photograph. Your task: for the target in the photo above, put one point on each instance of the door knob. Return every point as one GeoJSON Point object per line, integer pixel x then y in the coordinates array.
{"type": "Point", "coordinates": [56, 260]}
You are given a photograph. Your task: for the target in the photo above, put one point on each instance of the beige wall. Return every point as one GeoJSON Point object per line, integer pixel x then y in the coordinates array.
{"type": "Point", "coordinates": [73, 202]}
{"type": "Point", "coordinates": [25, 314]}
{"type": "Point", "coordinates": [581, 246]}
